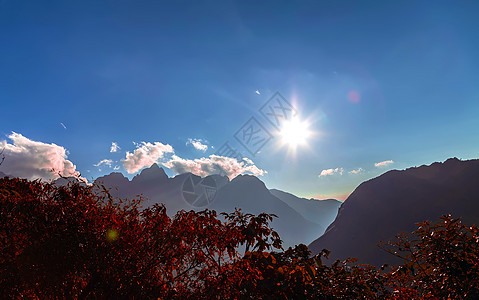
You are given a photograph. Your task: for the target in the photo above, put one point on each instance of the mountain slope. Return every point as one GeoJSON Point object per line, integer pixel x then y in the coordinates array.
{"type": "Point", "coordinates": [322, 212]}
{"type": "Point", "coordinates": [393, 202]}
{"type": "Point", "coordinates": [251, 195]}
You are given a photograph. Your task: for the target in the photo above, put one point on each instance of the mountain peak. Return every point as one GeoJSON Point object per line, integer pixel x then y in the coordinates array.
{"type": "Point", "coordinates": [115, 175]}
{"type": "Point", "coordinates": [248, 179]}
{"type": "Point", "coordinates": [152, 173]}
{"type": "Point", "coordinates": [114, 179]}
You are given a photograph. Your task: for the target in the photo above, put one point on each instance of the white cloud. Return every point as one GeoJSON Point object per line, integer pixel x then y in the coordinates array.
{"type": "Point", "coordinates": [247, 160]}
{"type": "Point", "coordinates": [114, 147]}
{"type": "Point", "coordinates": [145, 155]}
{"type": "Point", "coordinates": [199, 144]}
{"type": "Point", "coordinates": [329, 172]}
{"type": "Point", "coordinates": [383, 163]}
{"type": "Point", "coordinates": [356, 171]}
{"type": "Point", "coordinates": [116, 168]}
{"type": "Point", "coordinates": [213, 164]}
{"type": "Point", "coordinates": [106, 162]}
{"type": "Point", "coordinates": [32, 160]}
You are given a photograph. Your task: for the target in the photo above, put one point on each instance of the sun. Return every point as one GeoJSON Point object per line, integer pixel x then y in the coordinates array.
{"type": "Point", "coordinates": [294, 132]}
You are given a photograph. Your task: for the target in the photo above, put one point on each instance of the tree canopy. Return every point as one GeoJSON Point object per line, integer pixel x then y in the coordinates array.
{"type": "Point", "coordinates": [77, 242]}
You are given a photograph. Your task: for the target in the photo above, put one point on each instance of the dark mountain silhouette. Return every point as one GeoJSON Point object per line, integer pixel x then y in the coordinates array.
{"type": "Point", "coordinates": [322, 212]}
{"type": "Point", "coordinates": [152, 183]}
{"type": "Point", "coordinates": [393, 202]}
{"type": "Point", "coordinates": [245, 192]}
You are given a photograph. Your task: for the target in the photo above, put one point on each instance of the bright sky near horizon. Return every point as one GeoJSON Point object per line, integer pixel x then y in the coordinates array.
{"type": "Point", "coordinates": [118, 85]}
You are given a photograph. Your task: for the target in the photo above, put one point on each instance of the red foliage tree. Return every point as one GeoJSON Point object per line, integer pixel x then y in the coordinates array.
{"type": "Point", "coordinates": [440, 261]}
{"type": "Point", "coordinates": [77, 242]}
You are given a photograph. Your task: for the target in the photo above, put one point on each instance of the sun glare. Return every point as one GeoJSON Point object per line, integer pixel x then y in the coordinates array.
{"type": "Point", "coordinates": [295, 132]}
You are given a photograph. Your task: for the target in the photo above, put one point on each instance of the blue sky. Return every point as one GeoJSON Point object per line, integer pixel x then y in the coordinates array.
{"type": "Point", "coordinates": [377, 81]}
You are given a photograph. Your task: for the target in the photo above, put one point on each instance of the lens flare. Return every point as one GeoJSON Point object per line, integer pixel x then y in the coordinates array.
{"type": "Point", "coordinates": [354, 96]}
{"type": "Point", "coordinates": [112, 235]}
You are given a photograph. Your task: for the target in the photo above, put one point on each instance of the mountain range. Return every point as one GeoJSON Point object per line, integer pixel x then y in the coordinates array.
{"type": "Point", "coordinates": [394, 202]}
{"type": "Point", "coordinates": [299, 220]}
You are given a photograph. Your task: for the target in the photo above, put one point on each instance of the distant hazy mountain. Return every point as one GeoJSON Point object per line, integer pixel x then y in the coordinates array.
{"type": "Point", "coordinates": [62, 181]}
{"type": "Point", "coordinates": [251, 195]}
{"type": "Point", "coordinates": [393, 202]}
{"type": "Point", "coordinates": [191, 192]}
{"type": "Point", "coordinates": [322, 212]}
{"type": "Point", "coordinates": [2, 175]}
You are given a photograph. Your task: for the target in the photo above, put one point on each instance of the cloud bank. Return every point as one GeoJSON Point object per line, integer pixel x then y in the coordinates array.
{"type": "Point", "coordinates": [213, 164]}
{"type": "Point", "coordinates": [383, 163]}
{"type": "Point", "coordinates": [199, 144]}
{"type": "Point", "coordinates": [145, 155]}
{"type": "Point", "coordinates": [329, 172]}
{"type": "Point", "coordinates": [30, 159]}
